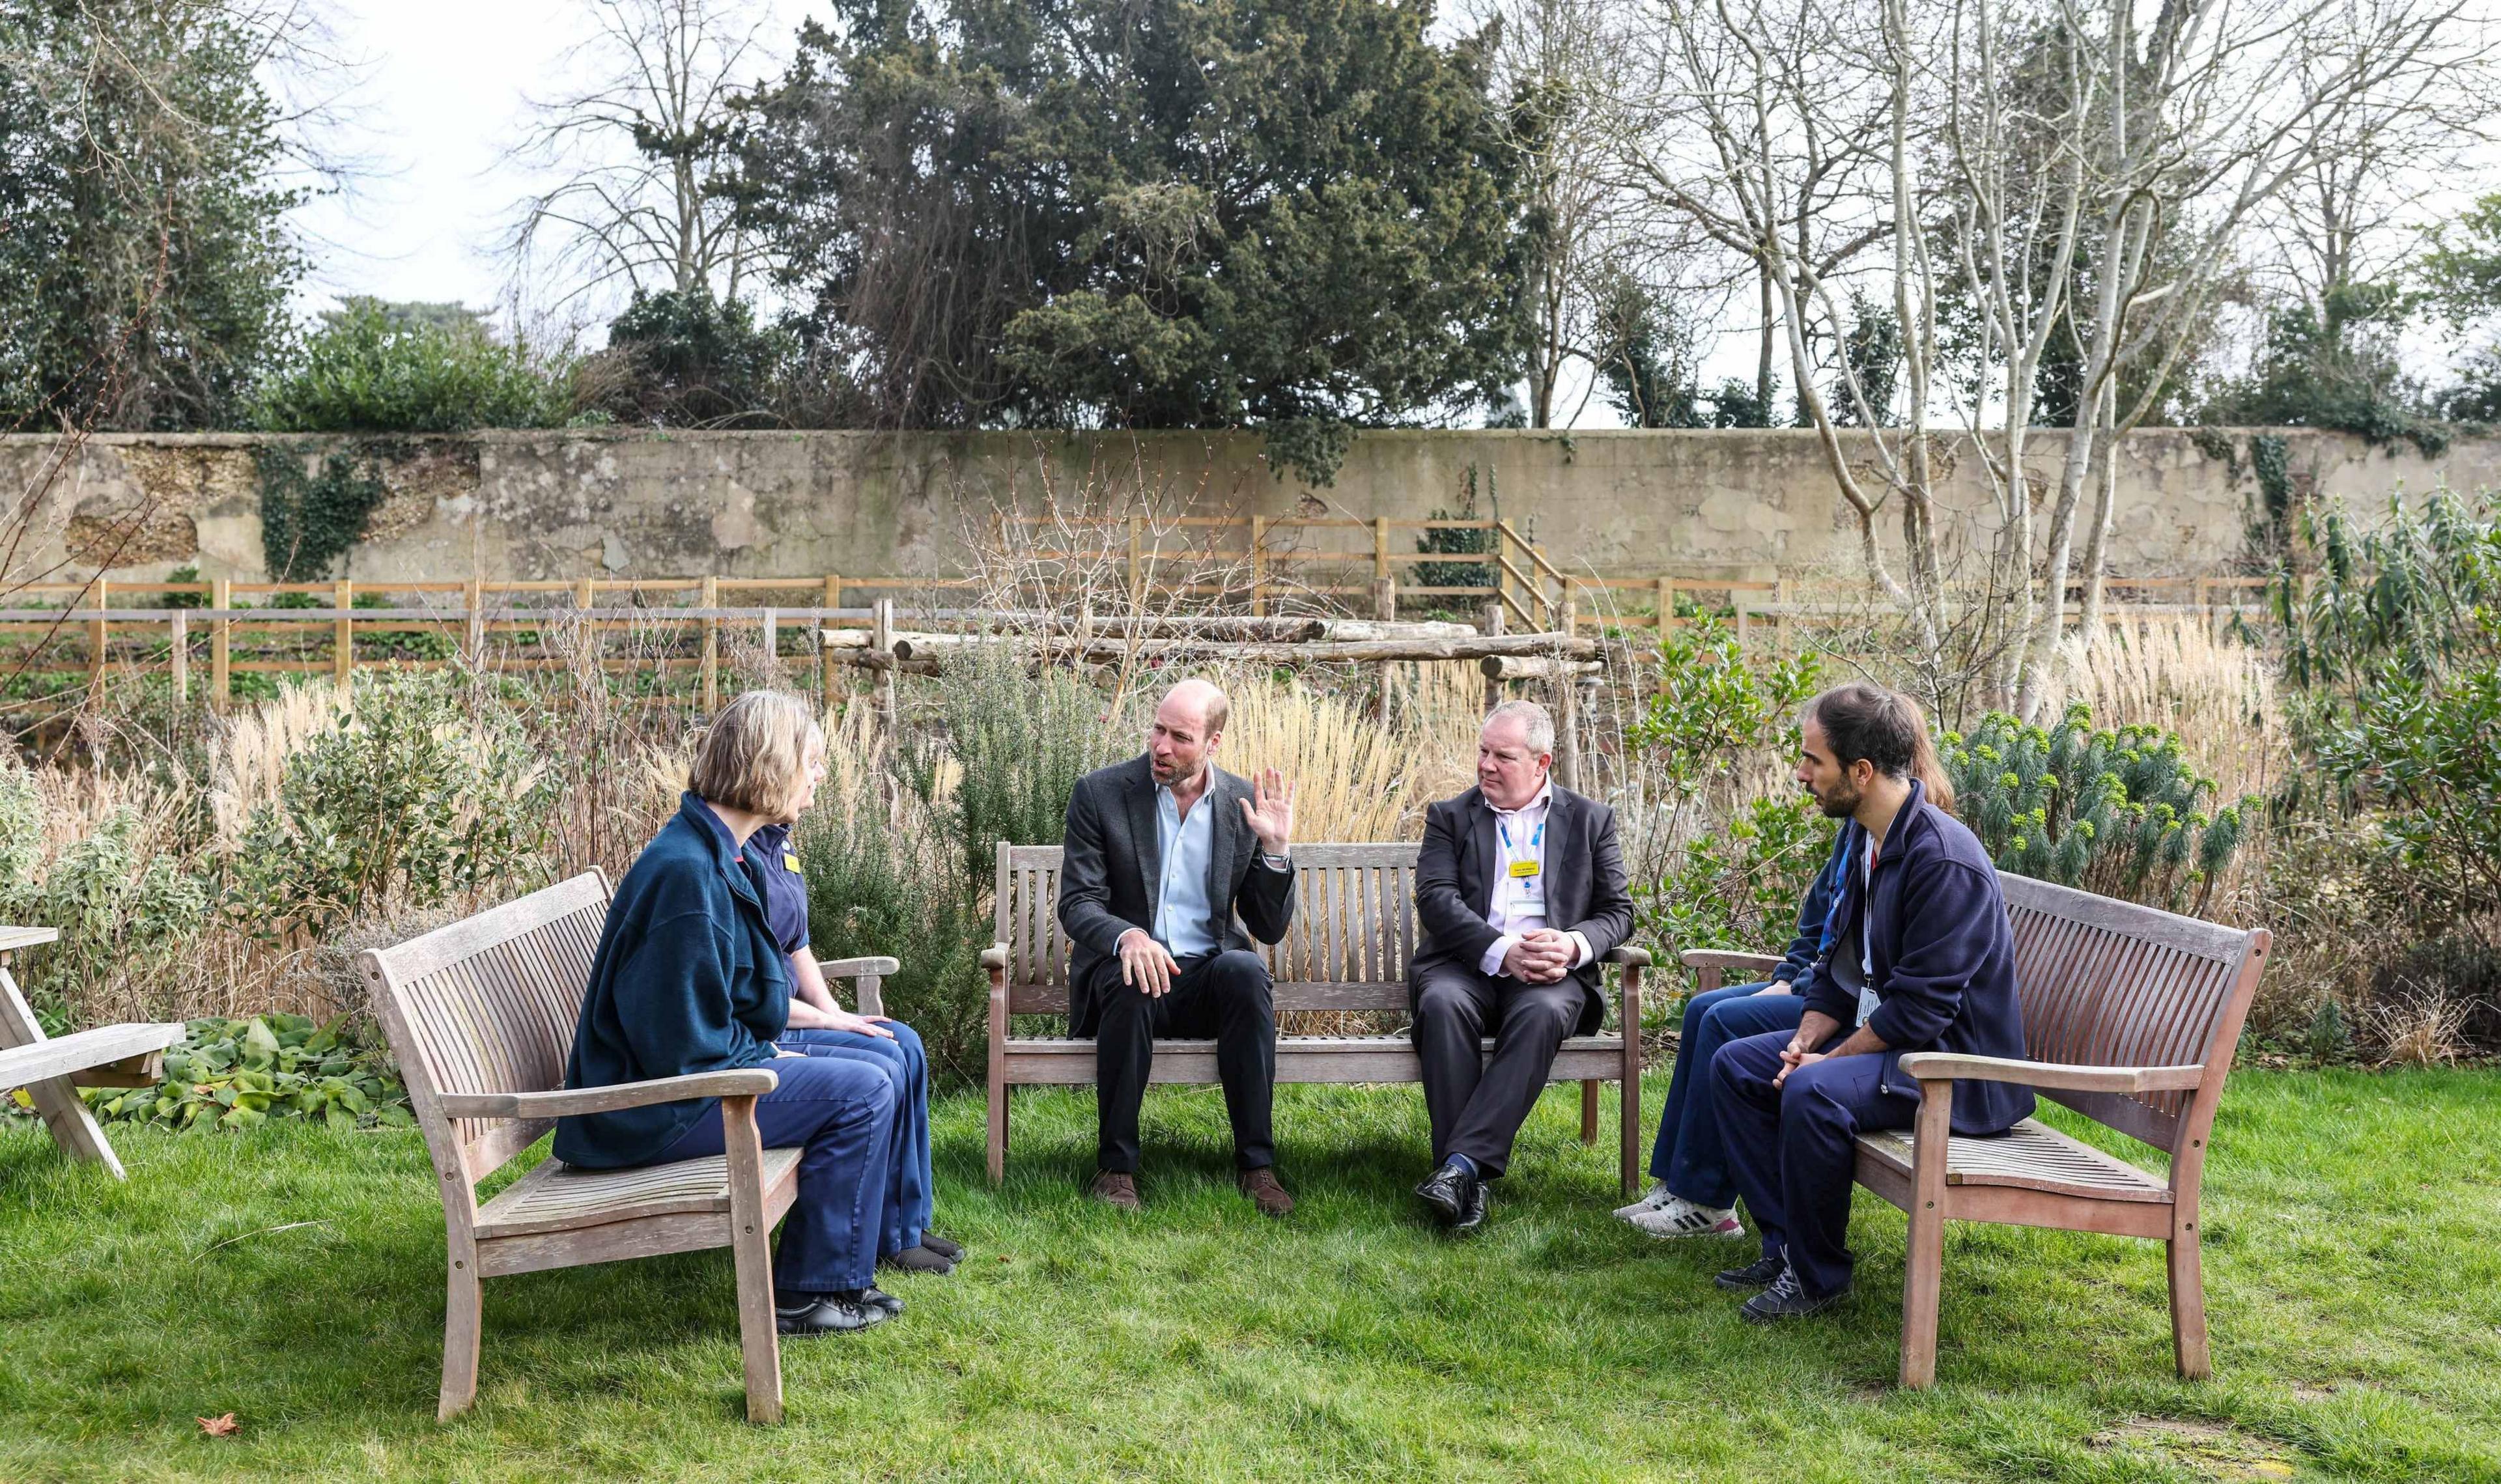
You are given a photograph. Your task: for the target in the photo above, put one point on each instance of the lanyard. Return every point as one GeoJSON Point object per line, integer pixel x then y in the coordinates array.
{"type": "Point", "coordinates": [1536, 841]}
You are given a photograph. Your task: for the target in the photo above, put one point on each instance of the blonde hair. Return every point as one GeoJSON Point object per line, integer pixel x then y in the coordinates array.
{"type": "Point", "coordinates": [754, 755]}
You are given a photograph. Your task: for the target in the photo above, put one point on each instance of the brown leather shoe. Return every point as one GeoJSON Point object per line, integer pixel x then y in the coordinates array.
{"type": "Point", "coordinates": [1115, 1188]}
{"type": "Point", "coordinates": [1261, 1186]}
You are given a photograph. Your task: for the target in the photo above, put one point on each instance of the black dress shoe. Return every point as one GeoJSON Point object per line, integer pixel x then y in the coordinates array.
{"type": "Point", "coordinates": [829, 1314]}
{"type": "Point", "coordinates": [1452, 1193]}
{"type": "Point", "coordinates": [1761, 1273]}
{"type": "Point", "coordinates": [951, 1251]}
{"type": "Point", "coordinates": [881, 1299]}
{"type": "Point", "coordinates": [921, 1258]}
{"type": "Point", "coordinates": [1473, 1216]}
{"type": "Point", "coordinates": [1788, 1298]}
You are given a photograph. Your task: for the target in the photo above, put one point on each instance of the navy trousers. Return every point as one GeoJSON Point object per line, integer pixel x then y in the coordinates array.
{"type": "Point", "coordinates": [842, 1114]}
{"type": "Point", "coordinates": [1688, 1157]}
{"type": "Point", "coordinates": [910, 1192]}
{"type": "Point", "coordinates": [1224, 996]}
{"type": "Point", "coordinates": [1791, 1147]}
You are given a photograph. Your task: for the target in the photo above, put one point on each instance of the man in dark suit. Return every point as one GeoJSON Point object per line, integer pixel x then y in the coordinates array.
{"type": "Point", "coordinates": [1920, 958]}
{"type": "Point", "coordinates": [1161, 854]}
{"type": "Point", "coordinates": [1520, 890]}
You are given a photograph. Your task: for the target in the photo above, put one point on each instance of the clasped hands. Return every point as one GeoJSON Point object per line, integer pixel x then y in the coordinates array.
{"type": "Point", "coordinates": [1541, 956]}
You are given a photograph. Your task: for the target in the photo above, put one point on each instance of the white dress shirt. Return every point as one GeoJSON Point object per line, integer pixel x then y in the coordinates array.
{"type": "Point", "coordinates": [1518, 904]}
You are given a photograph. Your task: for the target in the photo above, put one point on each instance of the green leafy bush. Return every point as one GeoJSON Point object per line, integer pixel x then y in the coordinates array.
{"type": "Point", "coordinates": [690, 360]}
{"type": "Point", "coordinates": [235, 1074]}
{"type": "Point", "coordinates": [379, 368]}
{"type": "Point", "coordinates": [406, 798]}
{"type": "Point", "coordinates": [2119, 813]}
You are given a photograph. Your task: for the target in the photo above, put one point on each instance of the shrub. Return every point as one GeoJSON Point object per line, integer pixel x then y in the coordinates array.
{"type": "Point", "coordinates": [2119, 813]}
{"type": "Point", "coordinates": [690, 360]}
{"type": "Point", "coordinates": [406, 798]}
{"type": "Point", "coordinates": [379, 368]}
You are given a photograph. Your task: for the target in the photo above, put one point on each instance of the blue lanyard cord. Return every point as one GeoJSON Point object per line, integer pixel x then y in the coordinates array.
{"type": "Point", "coordinates": [1536, 841]}
{"type": "Point", "coordinates": [1840, 884]}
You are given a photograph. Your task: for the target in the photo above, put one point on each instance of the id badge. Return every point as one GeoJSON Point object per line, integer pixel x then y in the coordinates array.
{"type": "Point", "coordinates": [1523, 870]}
{"type": "Point", "coordinates": [790, 863]}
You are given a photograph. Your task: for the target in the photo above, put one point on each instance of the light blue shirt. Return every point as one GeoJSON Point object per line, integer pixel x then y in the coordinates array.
{"type": "Point", "coordinates": [1185, 918]}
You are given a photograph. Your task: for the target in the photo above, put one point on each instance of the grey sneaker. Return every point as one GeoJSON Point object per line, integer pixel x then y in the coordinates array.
{"type": "Point", "coordinates": [1659, 1196]}
{"type": "Point", "coordinates": [1680, 1217]}
{"type": "Point", "coordinates": [1788, 1298]}
{"type": "Point", "coordinates": [1761, 1273]}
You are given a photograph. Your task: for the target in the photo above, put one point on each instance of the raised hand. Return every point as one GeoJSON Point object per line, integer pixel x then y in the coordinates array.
{"type": "Point", "coordinates": [1270, 811]}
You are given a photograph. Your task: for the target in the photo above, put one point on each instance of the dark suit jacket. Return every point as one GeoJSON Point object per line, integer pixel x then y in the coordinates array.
{"type": "Point", "coordinates": [1112, 860]}
{"type": "Point", "coordinates": [1943, 954]}
{"type": "Point", "coordinates": [1585, 887]}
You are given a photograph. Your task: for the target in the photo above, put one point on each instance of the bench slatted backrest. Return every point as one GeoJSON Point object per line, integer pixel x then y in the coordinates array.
{"type": "Point", "coordinates": [1353, 934]}
{"type": "Point", "coordinates": [487, 1004]}
{"type": "Point", "coordinates": [2108, 983]}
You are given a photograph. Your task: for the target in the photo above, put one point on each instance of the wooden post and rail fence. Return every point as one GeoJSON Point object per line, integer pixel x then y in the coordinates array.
{"type": "Point", "coordinates": [1191, 562]}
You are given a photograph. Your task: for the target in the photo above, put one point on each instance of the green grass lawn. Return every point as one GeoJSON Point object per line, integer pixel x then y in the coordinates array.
{"type": "Point", "coordinates": [293, 1277]}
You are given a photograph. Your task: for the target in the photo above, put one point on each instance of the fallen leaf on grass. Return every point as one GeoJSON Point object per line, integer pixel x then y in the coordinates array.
{"type": "Point", "coordinates": [219, 1427]}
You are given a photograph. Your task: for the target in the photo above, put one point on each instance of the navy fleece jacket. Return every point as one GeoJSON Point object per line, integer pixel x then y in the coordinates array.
{"type": "Point", "coordinates": [688, 979]}
{"type": "Point", "coordinates": [1943, 957]}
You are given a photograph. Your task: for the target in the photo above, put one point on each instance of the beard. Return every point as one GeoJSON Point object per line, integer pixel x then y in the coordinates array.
{"type": "Point", "coordinates": [1840, 804]}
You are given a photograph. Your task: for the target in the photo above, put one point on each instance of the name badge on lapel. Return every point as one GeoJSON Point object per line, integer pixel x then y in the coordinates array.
{"type": "Point", "coordinates": [790, 863]}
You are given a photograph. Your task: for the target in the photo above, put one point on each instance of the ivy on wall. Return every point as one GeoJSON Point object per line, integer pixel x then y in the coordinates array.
{"type": "Point", "coordinates": [307, 521]}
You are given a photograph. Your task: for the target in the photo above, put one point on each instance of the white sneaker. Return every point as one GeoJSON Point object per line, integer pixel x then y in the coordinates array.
{"type": "Point", "coordinates": [1658, 1197]}
{"type": "Point", "coordinates": [1680, 1217]}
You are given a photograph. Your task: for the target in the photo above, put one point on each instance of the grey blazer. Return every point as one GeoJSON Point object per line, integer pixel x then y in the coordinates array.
{"type": "Point", "coordinates": [1111, 857]}
{"type": "Point", "coordinates": [1585, 890]}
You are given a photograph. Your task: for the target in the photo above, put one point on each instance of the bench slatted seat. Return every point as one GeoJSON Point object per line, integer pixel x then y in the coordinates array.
{"type": "Point", "coordinates": [53, 1068]}
{"type": "Point", "coordinates": [481, 1016]}
{"type": "Point", "coordinates": [1353, 932]}
{"type": "Point", "coordinates": [2131, 1016]}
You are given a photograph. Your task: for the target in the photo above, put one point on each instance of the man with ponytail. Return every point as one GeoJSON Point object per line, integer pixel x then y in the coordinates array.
{"type": "Point", "coordinates": [1920, 958]}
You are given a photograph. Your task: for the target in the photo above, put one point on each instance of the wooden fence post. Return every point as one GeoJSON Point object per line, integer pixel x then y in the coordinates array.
{"type": "Point", "coordinates": [710, 599]}
{"type": "Point", "coordinates": [1385, 588]}
{"type": "Point", "coordinates": [220, 642]}
{"type": "Point", "coordinates": [1567, 704]}
{"type": "Point", "coordinates": [343, 636]}
{"type": "Point", "coordinates": [1666, 605]}
{"type": "Point", "coordinates": [828, 687]}
{"type": "Point", "coordinates": [182, 658]}
{"type": "Point", "coordinates": [97, 636]}
{"type": "Point", "coordinates": [1258, 565]}
{"type": "Point", "coordinates": [472, 623]}
{"type": "Point", "coordinates": [1493, 624]}
{"type": "Point", "coordinates": [881, 639]}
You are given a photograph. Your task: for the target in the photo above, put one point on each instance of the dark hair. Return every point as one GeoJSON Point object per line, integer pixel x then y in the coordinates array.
{"type": "Point", "coordinates": [1863, 720]}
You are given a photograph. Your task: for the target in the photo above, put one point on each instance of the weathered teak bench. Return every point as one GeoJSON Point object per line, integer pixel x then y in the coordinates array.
{"type": "Point", "coordinates": [480, 1015]}
{"type": "Point", "coordinates": [53, 1068]}
{"type": "Point", "coordinates": [1354, 926]}
{"type": "Point", "coordinates": [2130, 1018]}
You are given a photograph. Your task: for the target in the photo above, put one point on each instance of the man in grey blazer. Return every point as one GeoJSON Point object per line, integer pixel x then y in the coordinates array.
{"type": "Point", "coordinates": [1519, 892]}
{"type": "Point", "coordinates": [1161, 853]}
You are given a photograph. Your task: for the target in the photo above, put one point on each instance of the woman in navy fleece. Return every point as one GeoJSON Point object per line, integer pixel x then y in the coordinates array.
{"type": "Point", "coordinates": [690, 978]}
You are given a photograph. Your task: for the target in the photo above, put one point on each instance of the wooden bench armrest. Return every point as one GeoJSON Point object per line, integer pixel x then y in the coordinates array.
{"type": "Point", "coordinates": [854, 968]}
{"type": "Point", "coordinates": [568, 1101]}
{"type": "Point", "coordinates": [13, 939]}
{"type": "Point", "coordinates": [995, 956]}
{"type": "Point", "coordinates": [1947, 1066]}
{"type": "Point", "coordinates": [1631, 955]}
{"type": "Point", "coordinates": [1718, 958]}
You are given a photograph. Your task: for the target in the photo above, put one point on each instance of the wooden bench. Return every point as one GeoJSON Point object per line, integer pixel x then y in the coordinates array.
{"type": "Point", "coordinates": [53, 1068]}
{"type": "Point", "coordinates": [481, 1016]}
{"type": "Point", "coordinates": [1355, 927]}
{"type": "Point", "coordinates": [2130, 1018]}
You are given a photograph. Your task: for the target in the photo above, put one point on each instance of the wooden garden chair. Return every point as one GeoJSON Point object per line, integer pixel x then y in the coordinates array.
{"type": "Point", "coordinates": [2130, 1018]}
{"type": "Point", "coordinates": [481, 1016]}
{"type": "Point", "coordinates": [53, 1068]}
{"type": "Point", "coordinates": [1354, 926]}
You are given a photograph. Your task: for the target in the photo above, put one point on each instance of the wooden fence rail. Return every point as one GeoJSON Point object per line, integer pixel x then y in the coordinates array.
{"type": "Point", "coordinates": [1526, 586]}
